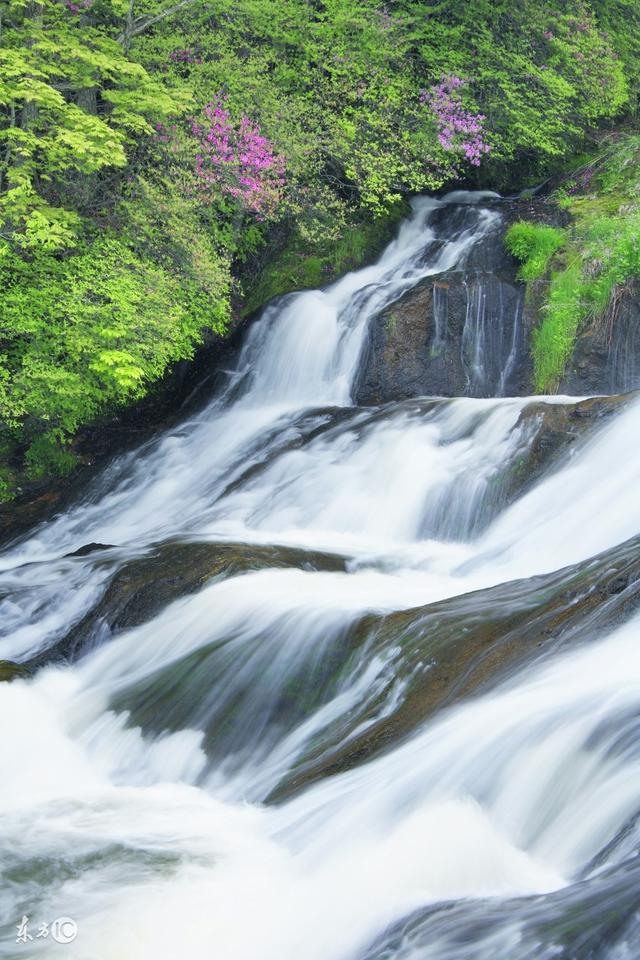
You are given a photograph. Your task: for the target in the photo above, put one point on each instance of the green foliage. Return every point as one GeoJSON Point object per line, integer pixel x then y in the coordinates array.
{"type": "Point", "coordinates": [7, 485]}
{"type": "Point", "coordinates": [48, 458]}
{"type": "Point", "coordinates": [541, 73]}
{"type": "Point", "coordinates": [112, 266]}
{"type": "Point", "coordinates": [306, 265]}
{"type": "Point", "coordinates": [53, 65]}
{"type": "Point", "coordinates": [602, 255]}
{"type": "Point", "coordinates": [554, 339]}
{"type": "Point", "coordinates": [88, 333]}
{"type": "Point", "coordinates": [533, 244]}
{"type": "Point", "coordinates": [620, 22]}
{"type": "Point", "coordinates": [338, 86]}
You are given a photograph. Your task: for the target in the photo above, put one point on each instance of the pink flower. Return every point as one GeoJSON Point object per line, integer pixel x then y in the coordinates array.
{"type": "Point", "coordinates": [78, 6]}
{"type": "Point", "coordinates": [235, 159]}
{"type": "Point", "coordinates": [458, 129]}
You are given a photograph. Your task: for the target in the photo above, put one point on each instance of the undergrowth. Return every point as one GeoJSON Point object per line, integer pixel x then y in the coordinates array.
{"type": "Point", "coordinates": [533, 244]}
{"type": "Point", "coordinates": [592, 262]}
{"type": "Point", "coordinates": [301, 266]}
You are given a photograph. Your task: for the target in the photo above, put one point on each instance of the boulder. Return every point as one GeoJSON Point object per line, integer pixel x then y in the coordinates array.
{"type": "Point", "coordinates": [454, 649]}
{"type": "Point", "coordinates": [454, 334]}
{"type": "Point", "coordinates": [144, 586]}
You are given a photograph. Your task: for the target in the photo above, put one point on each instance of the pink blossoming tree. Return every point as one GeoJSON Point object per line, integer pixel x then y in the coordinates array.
{"type": "Point", "coordinates": [234, 159]}
{"type": "Point", "coordinates": [458, 129]}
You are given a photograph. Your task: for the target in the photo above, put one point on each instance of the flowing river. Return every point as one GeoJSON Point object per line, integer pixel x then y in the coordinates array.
{"type": "Point", "coordinates": [372, 694]}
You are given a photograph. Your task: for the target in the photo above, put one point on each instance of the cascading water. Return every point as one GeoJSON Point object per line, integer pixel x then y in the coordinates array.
{"type": "Point", "coordinates": [489, 346]}
{"type": "Point", "coordinates": [252, 769]}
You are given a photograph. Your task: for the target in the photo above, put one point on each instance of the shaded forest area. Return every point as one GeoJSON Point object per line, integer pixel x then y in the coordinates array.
{"type": "Point", "coordinates": [164, 165]}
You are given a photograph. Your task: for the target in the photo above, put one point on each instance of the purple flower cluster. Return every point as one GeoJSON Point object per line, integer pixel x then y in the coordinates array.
{"type": "Point", "coordinates": [458, 129]}
{"type": "Point", "coordinates": [77, 6]}
{"type": "Point", "coordinates": [184, 56]}
{"type": "Point", "coordinates": [235, 159]}
{"type": "Point", "coordinates": [583, 182]}
{"type": "Point", "coordinates": [165, 134]}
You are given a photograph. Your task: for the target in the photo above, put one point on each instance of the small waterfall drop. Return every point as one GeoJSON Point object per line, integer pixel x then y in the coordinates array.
{"type": "Point", "coordinates": [344, 682]}
{"type": "Point", "coordinates": [458, 331]}
{"type": "Point", "coordinates": [491, 337]}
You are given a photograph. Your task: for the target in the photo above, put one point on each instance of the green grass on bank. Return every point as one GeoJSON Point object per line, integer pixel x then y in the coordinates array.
{"type": "Point", "coordinates": [533, 244]}
{"type": "Point", "coordinates": [591, 262]}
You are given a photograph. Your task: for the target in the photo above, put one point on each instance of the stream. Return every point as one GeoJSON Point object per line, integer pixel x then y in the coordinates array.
{"type": "Point", "coordinates": [318, 681]}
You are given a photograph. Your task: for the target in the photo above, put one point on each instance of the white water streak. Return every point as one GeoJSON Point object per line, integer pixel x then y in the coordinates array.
{"type": "Point", "coordinates": [514, 793]}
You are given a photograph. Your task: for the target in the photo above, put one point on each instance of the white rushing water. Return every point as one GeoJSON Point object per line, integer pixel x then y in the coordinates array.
{"type": "Point", "coordinates": [134, 780]}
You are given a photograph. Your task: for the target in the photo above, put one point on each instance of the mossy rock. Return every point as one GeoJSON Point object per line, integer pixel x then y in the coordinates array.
{"type": "Point", "coordinates": [453, 649]}
{"type": "Point", "coordinates": [142, 587]}
{"type": "Point", "coordinates": [12, 671]}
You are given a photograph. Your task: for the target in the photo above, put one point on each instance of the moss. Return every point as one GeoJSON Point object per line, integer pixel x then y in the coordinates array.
{"type": "Point", "coordinates": [391, 322]}
{"type": "Point", "coordinates": [534, 244]}
{"type": "Point", "coordinates": [299, 267]}
{"type": "Point", "coordinates": [12, 671]}
{"type": "Point", "coordinates": [600, 253]}
{"type": "Point", "coordinates": [554, 339]}
{"type": "Point", "coordinates": [47, 458]}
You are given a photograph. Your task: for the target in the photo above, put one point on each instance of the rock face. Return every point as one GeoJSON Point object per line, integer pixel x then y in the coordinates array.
{"type": "Point", "coordinates": [464, 332]}
{"type": "Point", "coordinates": [468, 332]}
{"type": "Point", "coordinates": [554, 429]}
{"type": "Point", "coordinates": [455, 334]}
{"type": "Point", "coordinates": [143, 587]}
{"type": "Point", "coordinates": [607, 354]}
{"type": "Point", "coordinates": [501, 628]}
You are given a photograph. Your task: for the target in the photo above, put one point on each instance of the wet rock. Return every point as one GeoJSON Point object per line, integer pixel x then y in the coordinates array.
{"type": "Point", "coordinates": [455, 334]}
{"type": "Point", "coordinates": [468, 332]}
{"type": "Point", "coordinates": [12, 671]}
{"type": "Point", "coordinates": [591, 920]}
{"type": "Point", "coordinates": [460, 333]}
{"type": "Point", "coordinates": [451, 650]}
{"type": "Point", "coordinates": [552, 428]}
{"type": "Point", "coordinates": [606, 358]}
{"type": "Point", "coordinates": [142, 587]}
{"type": "Point", "coordinates": [89, 548]}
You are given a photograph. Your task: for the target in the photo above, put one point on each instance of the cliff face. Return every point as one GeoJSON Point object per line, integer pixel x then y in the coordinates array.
{"type": "Point", "coordinates": [468, 332]}
{"type": "Point", "coordinates": [606, 358]}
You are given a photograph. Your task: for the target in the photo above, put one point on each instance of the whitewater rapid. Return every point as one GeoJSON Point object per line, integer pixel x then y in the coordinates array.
{"type": "Point", "coordinates": [137, 779]}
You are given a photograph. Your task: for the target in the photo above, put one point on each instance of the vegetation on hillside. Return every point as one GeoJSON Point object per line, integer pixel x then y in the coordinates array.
{"type": "Point", "coordinates": [592, 262]}
{"type": "Point", "coordinates": [533, 244]}
{"type": "Point", "coordinates": [151, 151]}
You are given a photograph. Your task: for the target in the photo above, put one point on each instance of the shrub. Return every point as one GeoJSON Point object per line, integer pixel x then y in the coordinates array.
{"type": "Point", "coordinates": [554, 339]}
{"type": "Point", "coordinates": [87, 333]}
{"type": "Point", "coordinates": [533, 244]}
{"type": "Point", "coordinates": [602, 251]}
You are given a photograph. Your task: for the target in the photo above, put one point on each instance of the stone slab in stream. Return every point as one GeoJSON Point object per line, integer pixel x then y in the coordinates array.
{"type": "Point", "coordinates": [144, 586]}
{"type": "Point", "coordinates": [454, 649]}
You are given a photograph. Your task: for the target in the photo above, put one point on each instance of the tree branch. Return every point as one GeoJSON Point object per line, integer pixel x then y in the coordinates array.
{"type": "Point", "coordinates": [140, 24]}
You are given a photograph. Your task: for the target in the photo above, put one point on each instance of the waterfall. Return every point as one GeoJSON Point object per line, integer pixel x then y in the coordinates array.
{"type": "Point", "coordinates": [306, 751]}
{"type": "Point", "coordinates": [490, 337]}
{"type": "Point", "coordinates": [459, 331]}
